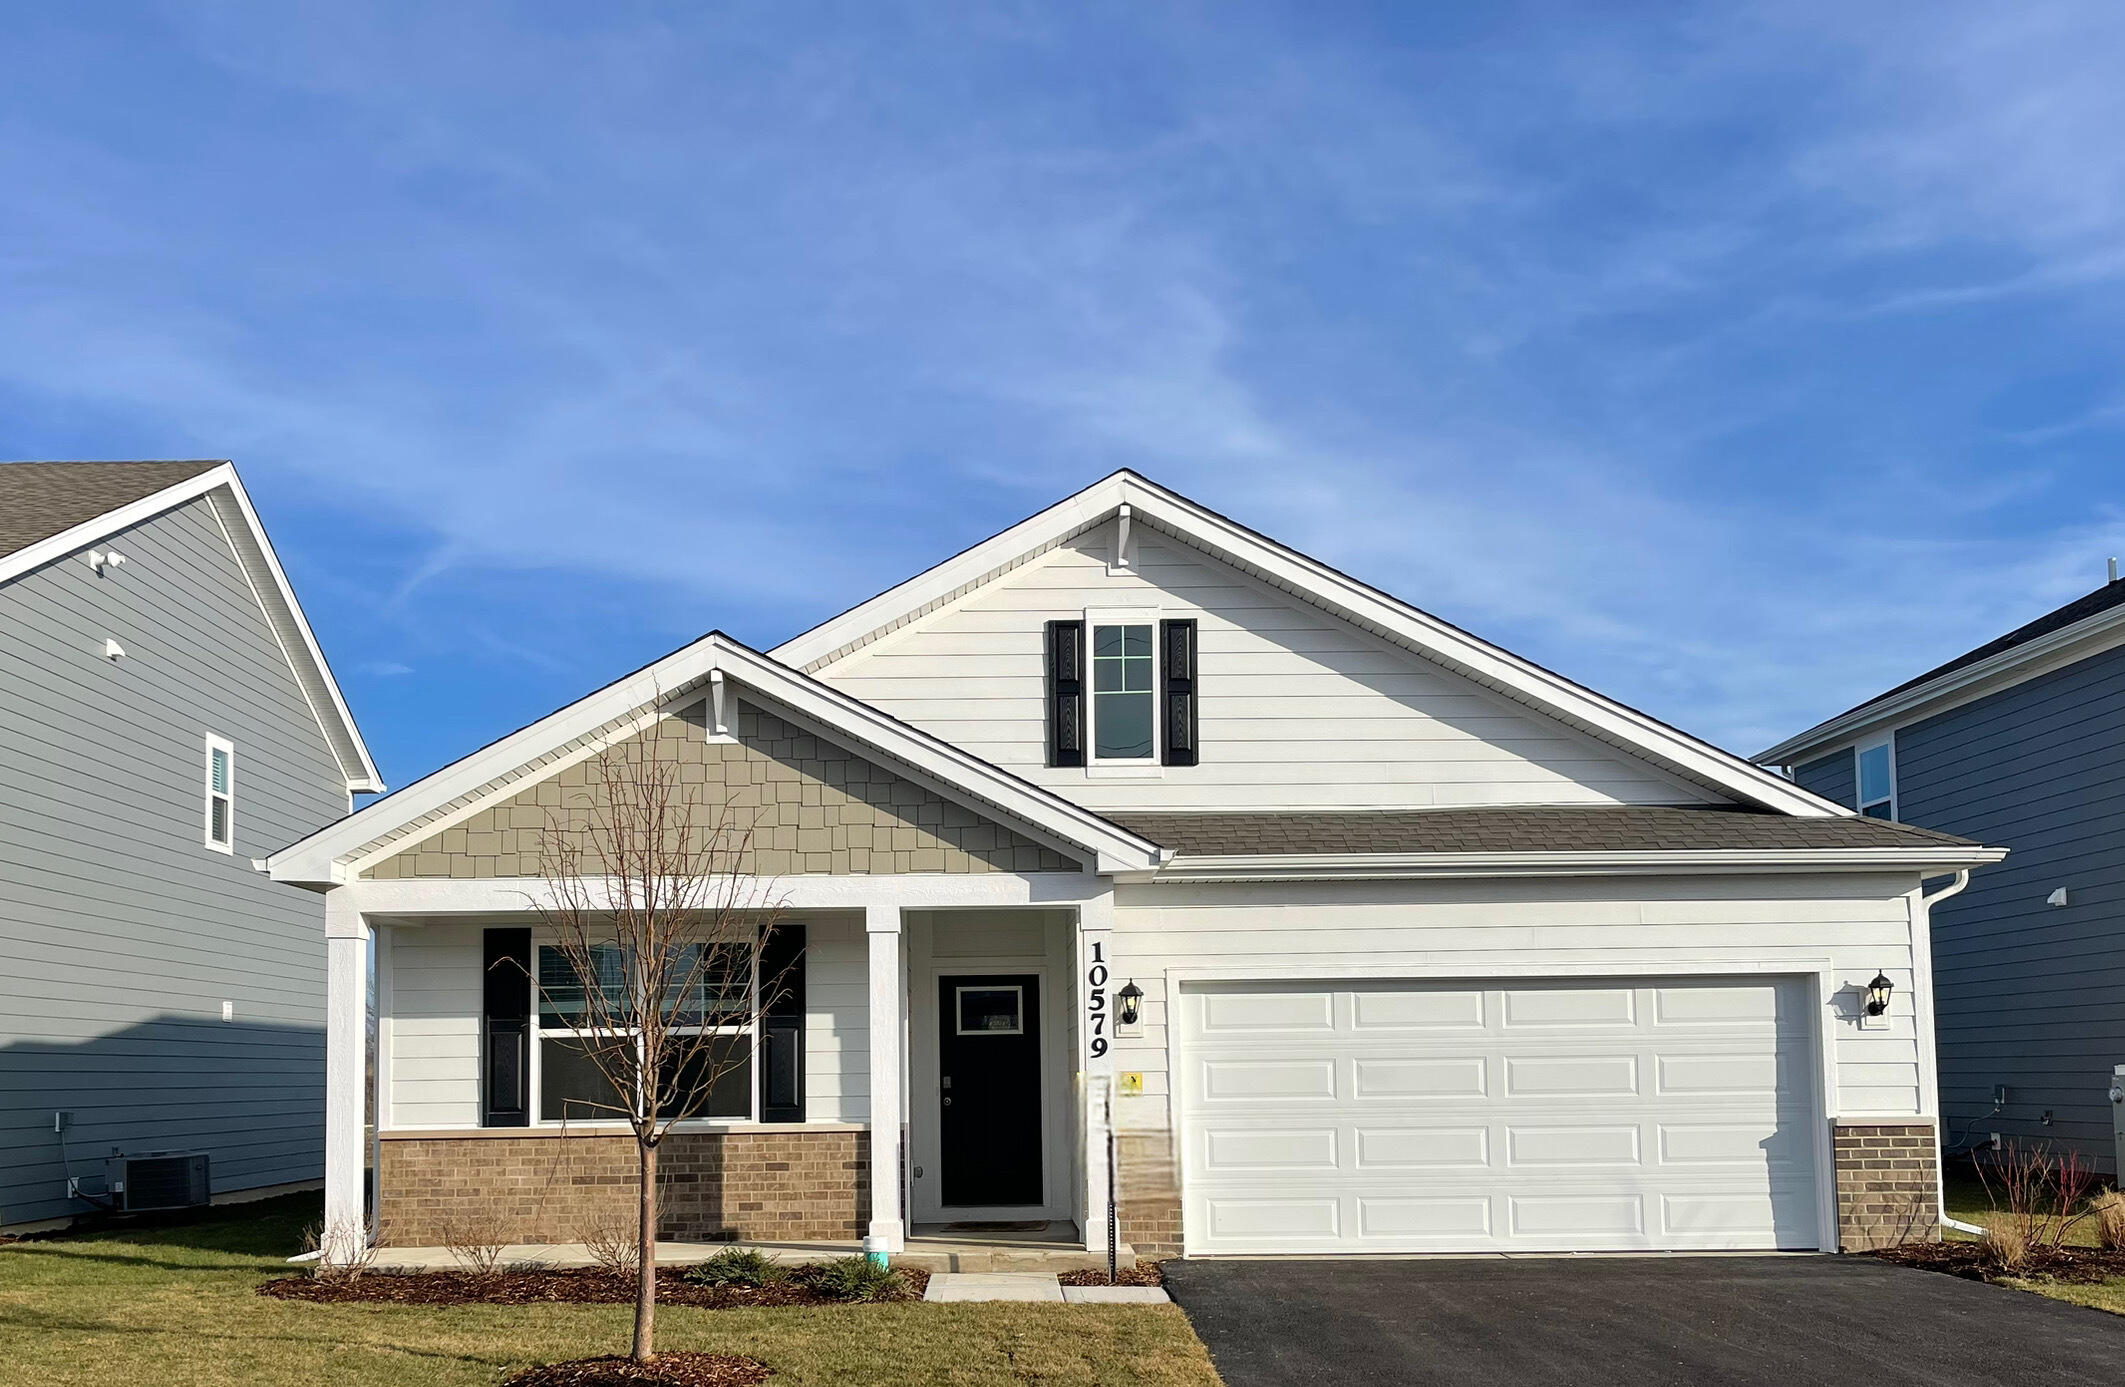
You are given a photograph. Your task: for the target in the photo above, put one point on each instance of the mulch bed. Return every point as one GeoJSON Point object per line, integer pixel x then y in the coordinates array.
{"type": "Point", "coordinates": [665, 1370]}
{"type": "Point", "coordinates": [2075, 1265]}
{"type": "Point", "coordinates": [576, 1285]}
{"type": "Point", "coordinates": [1145, 1273]}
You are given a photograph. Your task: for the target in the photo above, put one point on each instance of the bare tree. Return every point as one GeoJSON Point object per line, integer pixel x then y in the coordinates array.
{"type": "Point", "coordinates": [657, 924]}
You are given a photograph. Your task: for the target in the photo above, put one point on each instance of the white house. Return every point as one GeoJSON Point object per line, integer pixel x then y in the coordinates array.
{"type": "Point", "coordinates": [1376, 937]}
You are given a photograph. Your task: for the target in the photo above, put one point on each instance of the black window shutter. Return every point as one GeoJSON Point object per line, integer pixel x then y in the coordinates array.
{"type": "Point", "coordinates": [1066, 693]}
{"type": "Point", "coordinates": [782, 1025]}
{"type": "Point", "coordinates": [1178, 638]}
{"type": "Point", "coordinates": [505, 1029]}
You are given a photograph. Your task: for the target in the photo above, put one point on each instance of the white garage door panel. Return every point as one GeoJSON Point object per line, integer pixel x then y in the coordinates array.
{"type": "Point", "coordinates": [1384, 1117]}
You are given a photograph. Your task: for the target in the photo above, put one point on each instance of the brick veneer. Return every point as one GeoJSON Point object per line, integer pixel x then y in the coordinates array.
{"type": "Point", "coordinates": [1150, 1193]}
{"type": "Point", "coordinates": [1887, 1191]}
{"type": "Point", "coordinates": [793, 1186]}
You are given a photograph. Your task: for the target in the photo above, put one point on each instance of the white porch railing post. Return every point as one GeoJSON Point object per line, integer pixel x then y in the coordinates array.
{"type": "Point", "coordinates": [882, 923]}
{"type": "Point", "coordinates": [346, 1230]}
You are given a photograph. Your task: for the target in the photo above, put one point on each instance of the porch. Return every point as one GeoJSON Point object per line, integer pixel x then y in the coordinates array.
{"type": "Point", "coordinates": [909, 985]}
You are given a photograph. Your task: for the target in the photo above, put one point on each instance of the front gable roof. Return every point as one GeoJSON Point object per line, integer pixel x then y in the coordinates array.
{"type": "Point", "coordinates": [49, 510]}
{"type": "Point", "coordinates": [1368, 608]}
{"type": "Point", "coordinates": [501, 769]}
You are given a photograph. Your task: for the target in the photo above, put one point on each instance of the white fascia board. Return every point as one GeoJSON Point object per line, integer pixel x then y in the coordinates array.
{"type": "Point", "coordinates": [319, 859]}
{"type": "Point", "coordinates": [1487, 664]}
{"type": "Point", "coordinates": [2023, 662]}
{"type": "Point", "coordinates": [1396, 866]}
{"type": "Point", "coordinates": [268, 582]}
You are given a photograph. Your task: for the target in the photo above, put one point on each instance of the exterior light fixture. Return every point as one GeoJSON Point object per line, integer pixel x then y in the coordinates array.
{"type": "Point", "coordinates": [1131, 1000]}
{"type": "Point", "coordinates": [1878, 994]}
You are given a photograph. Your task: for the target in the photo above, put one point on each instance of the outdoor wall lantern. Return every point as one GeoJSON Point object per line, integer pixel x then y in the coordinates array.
{"type": "Point", "coordinates": [1878, 994]}
{"type": "Point", "coordinates": [1131, 999]}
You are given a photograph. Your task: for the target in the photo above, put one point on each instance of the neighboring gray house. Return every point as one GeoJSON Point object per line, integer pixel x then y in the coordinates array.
{"type": "Point", "coordinates": [2019, 743]}
{"type": "Point", "coordinates": [166, 718]}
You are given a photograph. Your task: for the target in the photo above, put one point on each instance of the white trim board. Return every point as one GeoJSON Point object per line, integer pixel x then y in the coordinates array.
{"type": "Point", "coordinates": [269, 584]}
{"type": "Point", "coordinates": [323, 859]}
{"type": "Point", "coordinates": [1314, 582]}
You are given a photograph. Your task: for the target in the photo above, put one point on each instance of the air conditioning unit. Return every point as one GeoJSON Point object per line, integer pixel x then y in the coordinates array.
{"type": "Point", "coordinates": [158, 1180]}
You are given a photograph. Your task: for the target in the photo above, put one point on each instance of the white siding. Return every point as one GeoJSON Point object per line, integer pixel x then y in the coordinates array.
{"type": "Point", "coordinates": [434, 1002]}
{"type": "Point", "coordinates": [1298, 708]}
{"type": "Point", "coordinates": [1485, 929]}
{"type": "Point", "coordinates": [435, 1026]}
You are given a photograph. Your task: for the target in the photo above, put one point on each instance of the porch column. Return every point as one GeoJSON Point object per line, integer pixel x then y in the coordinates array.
{"type": "Point", "coordinates": [1095, 1062]}
{"type": "Point", "coordinates": [346, 1229]}
{"type": "Point", "coordinates": [882, 922]}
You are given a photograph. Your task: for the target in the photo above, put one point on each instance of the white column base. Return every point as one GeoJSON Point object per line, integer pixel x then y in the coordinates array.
{"type": "Point", "coordinates": [346, 1230]}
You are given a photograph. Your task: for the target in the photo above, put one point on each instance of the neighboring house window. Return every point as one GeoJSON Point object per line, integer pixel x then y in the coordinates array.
{"type": "Point", "coordinates": [1124, 669]}
{"type": "Point", "coordinates": [1877, 780]}
{"type": "Point", "coordinates": [714, 1081]}
{"type": "Point", "coordinates": [221, 794]}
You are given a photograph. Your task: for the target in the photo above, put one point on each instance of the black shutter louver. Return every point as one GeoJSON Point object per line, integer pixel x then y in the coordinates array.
{"type": "Point", "coordinates": [1178, 640]}
{"type": "Point", "coordinates": [1066, 693]}
{"type": "Point", "coordinates": [505, 1028]}
{"type": "Point", "coordinates": [782, 1025]}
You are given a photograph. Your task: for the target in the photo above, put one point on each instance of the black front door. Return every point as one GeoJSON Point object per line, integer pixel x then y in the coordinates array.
{"type": "Point", "coordinates": [988, 1051]}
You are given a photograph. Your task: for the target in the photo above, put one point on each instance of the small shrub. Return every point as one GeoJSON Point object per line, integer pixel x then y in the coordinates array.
{"type": "Point", "coordinates": [737, 1266]}
{"type": "Point", "coordinates": [2006, 1246]}
{"type": "Point", "coordinates": [352, 1252]}
{"type": "Point", "coordinates": [2109, 1211]}
{"type": "Point", "coordinates": [475, 1242]}
{"type": "Point", "coordinates": [2040, 1195]}
{"type": "Point", "coordinates": [852, 1279]}
{"type": "Point", "coordinates": [611, 1247]}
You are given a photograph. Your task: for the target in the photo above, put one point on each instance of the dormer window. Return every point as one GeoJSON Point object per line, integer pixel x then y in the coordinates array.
{"type": "Point", "coordinates": [1877, 779]}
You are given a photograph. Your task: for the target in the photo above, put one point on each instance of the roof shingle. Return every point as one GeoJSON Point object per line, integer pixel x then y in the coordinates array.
{"type": "Point", "coordinates": [42, 499]}
{"type": "Point", "coordinates": [1519, 828]}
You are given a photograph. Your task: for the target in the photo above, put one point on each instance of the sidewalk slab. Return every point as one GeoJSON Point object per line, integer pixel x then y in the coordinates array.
{"type": "Point", "coordinates": [993, 1285]}
{"type": "Point", "coordinates": [1116, 1295]}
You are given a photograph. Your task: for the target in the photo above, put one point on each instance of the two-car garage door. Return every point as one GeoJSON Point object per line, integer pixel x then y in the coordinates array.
{"type": "Point", "coordinates": [1511, 1116]}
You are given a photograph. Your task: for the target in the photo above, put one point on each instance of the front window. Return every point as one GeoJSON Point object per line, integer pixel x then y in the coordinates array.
{"type": "Point", "coordinates": [709, 1073]}
{"type": "Point", "coordinates": [1877, 781]}
{"type": "Point", "coordinates": [1123, 704]}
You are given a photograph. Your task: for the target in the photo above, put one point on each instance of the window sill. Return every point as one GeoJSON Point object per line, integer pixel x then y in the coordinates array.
{"type": "Point", "coordinates": [1125, 771]}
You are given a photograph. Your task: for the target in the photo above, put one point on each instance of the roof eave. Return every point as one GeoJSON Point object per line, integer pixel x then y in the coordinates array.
{"type": "Point", "coordinates": [1955, 687]}
{"type": "Point", "coordinates": [321, 860]}
{"type": "Point", "coordinates": [357, 767]}
{"type": "Point", "coordinates": [1422, 865]}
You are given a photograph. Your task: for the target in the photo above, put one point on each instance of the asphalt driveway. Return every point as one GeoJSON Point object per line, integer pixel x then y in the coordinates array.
{"type": "Point", "coordinates": [1638, 1320]}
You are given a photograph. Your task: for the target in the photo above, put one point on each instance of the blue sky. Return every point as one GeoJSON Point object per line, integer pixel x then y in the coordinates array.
{"type": "Point", "coordinates": [1739, 360]}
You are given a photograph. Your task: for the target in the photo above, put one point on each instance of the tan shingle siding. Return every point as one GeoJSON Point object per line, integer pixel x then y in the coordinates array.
{"type": "Point", "coordinates": [812, 807]}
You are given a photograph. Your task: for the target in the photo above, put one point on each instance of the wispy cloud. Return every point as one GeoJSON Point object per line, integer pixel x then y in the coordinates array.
{"type": "Point", "coordinates": [1739, 360]}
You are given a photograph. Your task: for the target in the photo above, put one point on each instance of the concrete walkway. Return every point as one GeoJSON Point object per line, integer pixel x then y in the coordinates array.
{"type": "Point", "coordinates": [1029, 1286]}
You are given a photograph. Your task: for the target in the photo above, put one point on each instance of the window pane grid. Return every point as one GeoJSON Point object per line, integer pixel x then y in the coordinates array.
{"type": "Point", "coordinates": [1123, 670]}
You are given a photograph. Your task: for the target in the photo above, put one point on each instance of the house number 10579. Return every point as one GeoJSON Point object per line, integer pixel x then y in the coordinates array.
{"type": "Point", "coordinates": [1096, 1000]}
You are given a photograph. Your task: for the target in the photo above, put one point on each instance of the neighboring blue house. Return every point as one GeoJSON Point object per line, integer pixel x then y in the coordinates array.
{"type": "Point", "coordinates": [2019, 743]}
{"type": "Point", "coordinates": [166, 720]}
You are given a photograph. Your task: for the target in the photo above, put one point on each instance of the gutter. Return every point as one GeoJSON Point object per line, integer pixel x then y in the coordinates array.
{"type": "Point", "coordinates": [1427, 865]}
{"type": "Point", "coordinates": [1940, 1177]}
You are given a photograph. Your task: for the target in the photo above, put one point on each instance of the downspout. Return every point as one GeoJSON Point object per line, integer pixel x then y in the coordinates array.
{"type": "Point", "coordinates": [1940, 1180]}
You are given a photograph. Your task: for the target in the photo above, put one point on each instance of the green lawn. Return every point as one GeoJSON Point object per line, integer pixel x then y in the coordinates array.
{"type": "Point", "coordinates": [1967, 1202]}
{"type": "Point", "coordinates": [175, 1307]}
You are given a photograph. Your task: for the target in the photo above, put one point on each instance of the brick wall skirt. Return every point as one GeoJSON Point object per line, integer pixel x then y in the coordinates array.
{"type": "Point", "coordinates": [1149, 1185]}
{"type": "Point", "coordinates": [793, 1186]}
{"type": "Point", "coordinates": [1887, 1190]}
